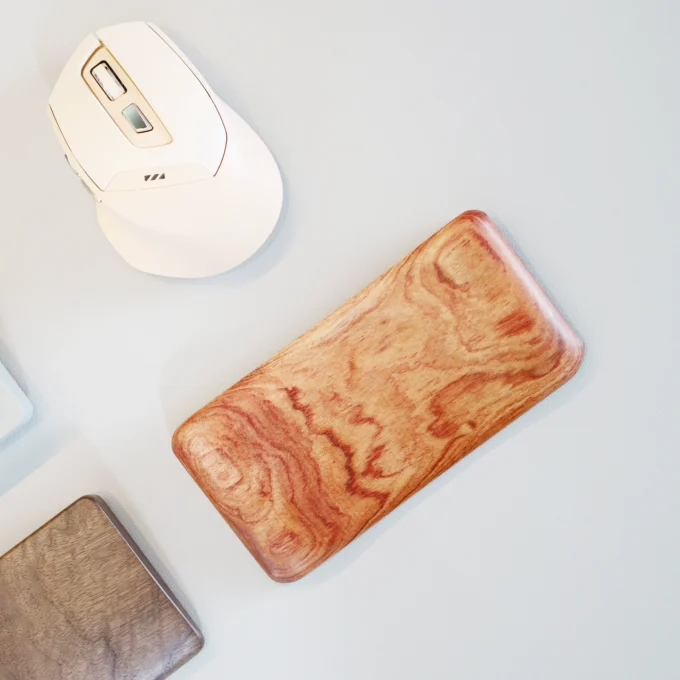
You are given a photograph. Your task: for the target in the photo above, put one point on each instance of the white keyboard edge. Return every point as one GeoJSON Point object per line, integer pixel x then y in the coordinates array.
{"type": "Point", "coordinates": [15, 408]}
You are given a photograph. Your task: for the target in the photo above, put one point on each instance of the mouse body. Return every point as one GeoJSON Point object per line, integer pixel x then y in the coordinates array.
{"type": "Point", "coordinates": [183, 186]}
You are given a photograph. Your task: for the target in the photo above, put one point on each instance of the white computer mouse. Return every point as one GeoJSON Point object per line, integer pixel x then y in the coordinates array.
{"type": "Point", "coordinates": [183, 186]}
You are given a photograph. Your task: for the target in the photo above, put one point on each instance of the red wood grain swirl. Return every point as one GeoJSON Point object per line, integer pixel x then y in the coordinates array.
{"type": "Point", "coordinates": [410, 375]}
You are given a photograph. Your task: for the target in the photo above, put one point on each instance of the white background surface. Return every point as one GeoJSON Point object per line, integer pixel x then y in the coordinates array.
{"type": "Point", "coordinates": [552, 552]}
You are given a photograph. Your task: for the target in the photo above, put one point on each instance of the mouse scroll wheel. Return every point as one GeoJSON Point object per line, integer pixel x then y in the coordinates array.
{"type": "Point", "coordinates": [108, 80]}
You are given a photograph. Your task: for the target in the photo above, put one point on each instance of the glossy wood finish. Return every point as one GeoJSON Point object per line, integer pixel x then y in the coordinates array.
{"type": "Point", "coordinates": [78, 601]}
{"type": "Point", "coordinates": [386, 393]}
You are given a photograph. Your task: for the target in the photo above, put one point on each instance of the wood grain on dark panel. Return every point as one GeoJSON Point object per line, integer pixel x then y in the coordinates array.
{"type": "Point", "coordinates": [78, 601]}
{"type": "Point", "coordinates": [363, 410]}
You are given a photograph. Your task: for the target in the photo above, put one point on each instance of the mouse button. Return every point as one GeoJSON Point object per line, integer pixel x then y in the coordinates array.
{"type": "Point", "coordinates": [69, 74]}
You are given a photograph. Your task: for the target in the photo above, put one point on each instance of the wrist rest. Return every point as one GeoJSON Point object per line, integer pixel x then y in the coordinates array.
{"type": "Point", "coordinates": [80, 601]}
{"type": "Point", "coordinates": [410, 375]}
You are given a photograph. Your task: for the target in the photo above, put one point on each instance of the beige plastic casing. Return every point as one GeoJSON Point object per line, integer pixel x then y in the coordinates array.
{"type": "Point", "coordinates": [216, 203]}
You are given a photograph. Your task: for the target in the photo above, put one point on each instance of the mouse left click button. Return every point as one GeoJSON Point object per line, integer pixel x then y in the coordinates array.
{"type": "Point", "coordinates": [108, 80]}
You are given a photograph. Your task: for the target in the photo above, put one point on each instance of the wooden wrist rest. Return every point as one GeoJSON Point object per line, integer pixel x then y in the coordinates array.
{"type": "Point", "coordinates": [410, 375]}
{"type": "Point", "coordinates": [79, 601]}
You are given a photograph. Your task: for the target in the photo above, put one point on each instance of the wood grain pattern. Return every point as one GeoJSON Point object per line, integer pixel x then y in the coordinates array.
{"type": "Point", "coordinates": [78, 601]}
{"type": "Point", "coordinates": [366, 408]}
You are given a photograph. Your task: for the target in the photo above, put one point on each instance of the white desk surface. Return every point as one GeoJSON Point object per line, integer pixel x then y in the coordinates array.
{"type": "Point", "coordinates": [553, 551]}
